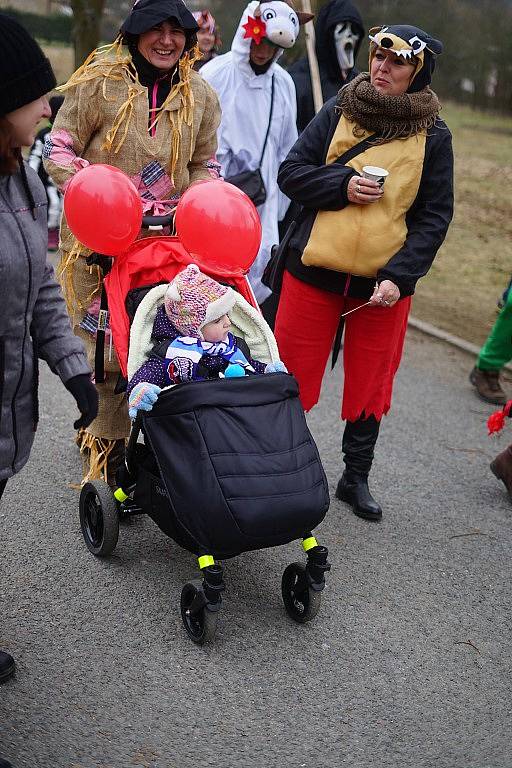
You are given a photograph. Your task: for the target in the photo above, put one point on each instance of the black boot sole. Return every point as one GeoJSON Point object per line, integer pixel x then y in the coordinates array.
{"type": "Point", "coordinates": [347, 498]}
{"type": "Point", "coordinates": [492, 467]}
{"type": "Point", "coordinates": [5, 674]}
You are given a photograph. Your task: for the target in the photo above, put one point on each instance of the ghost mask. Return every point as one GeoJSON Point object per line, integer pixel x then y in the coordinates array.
{"type": "Point", "coordinates": [346, 38]}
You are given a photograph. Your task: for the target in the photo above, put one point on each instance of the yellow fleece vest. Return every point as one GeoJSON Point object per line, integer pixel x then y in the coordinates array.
{"type": "Point", "coordinates": [360, 239]}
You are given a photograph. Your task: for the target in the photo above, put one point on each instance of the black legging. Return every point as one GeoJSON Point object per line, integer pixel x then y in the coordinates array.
{"type": "Point", "coordinates": [3, 483]}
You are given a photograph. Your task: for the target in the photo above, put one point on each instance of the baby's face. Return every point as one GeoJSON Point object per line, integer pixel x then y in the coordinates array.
{"type": "Point", "coordinates": [218, 330]}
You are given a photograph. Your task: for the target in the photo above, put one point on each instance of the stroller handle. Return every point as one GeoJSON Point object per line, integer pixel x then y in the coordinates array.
{"type": "Point", "coordinates": [157, 222]}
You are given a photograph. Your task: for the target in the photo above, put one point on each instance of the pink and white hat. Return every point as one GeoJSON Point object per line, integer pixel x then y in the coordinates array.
{"type": "Point", "coordinates": [193, 299]}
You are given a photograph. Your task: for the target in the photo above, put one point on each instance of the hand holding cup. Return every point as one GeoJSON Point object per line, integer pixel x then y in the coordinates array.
{"type": "Point", "coordinates": [374, 173]}
{"type": "Point", "coordinates": [363, 191]}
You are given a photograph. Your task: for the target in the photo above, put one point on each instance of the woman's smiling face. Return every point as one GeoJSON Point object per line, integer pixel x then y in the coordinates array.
{"type": "Point", "coordinates": [163, 44]}
{"type": "Point", "coordinates": [390, 74]}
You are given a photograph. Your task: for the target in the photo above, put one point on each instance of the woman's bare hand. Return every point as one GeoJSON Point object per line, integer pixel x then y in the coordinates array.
{"type": "Point", "coordinates": [386, 294]}
{"type": "Point", "coordinates": [363, 191]}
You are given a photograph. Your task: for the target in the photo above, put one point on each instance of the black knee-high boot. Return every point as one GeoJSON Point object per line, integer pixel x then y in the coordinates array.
{"type": "Point", "coordinates": [359, 439]}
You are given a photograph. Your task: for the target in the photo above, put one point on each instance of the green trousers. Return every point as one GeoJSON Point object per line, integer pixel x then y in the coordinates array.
{"type": "Point", "coordinates": [497, 349]}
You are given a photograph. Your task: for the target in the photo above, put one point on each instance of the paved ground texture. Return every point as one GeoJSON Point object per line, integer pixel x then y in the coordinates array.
{"type": "Point", "coordinates": [407, 665]}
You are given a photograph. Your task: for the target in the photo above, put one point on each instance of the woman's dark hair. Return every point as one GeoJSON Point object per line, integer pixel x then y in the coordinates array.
{"type": "Point", "coordinates": [8, 160]}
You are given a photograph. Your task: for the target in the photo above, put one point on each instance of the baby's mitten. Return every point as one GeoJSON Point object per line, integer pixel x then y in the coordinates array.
{"type": "Point", "coordinates": [277, 367]}
{"type": "Point", "coordinates": [142, 398]}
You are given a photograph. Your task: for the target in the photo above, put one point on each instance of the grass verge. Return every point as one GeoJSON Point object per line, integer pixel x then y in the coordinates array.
{"type": "Point", "coordinates": [474, 265]}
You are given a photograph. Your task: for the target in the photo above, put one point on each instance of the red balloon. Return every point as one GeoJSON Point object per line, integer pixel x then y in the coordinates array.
{"type": "Point", "coordinates": [217, 222]}
{"type": "Point", "coordinates": [103, 209]}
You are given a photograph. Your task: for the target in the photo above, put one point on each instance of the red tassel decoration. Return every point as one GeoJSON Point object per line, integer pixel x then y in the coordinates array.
{"type": "Point", "coordinates": [496, 420]}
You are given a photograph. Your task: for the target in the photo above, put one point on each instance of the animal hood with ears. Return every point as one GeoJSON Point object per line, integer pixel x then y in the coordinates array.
{"type": "Point", "coordinates": [275, 21]}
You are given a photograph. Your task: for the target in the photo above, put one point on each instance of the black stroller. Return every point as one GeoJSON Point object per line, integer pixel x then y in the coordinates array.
{"type": "Point", "coordinates": [225, 467]}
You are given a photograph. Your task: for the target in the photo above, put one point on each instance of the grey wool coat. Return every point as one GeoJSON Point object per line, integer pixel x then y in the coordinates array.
{"type": "Point", "coordinates": [33, 319]}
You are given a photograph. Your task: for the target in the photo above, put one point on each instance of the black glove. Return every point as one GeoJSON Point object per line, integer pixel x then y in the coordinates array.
{"type": "Point", "coordinates": [86, 396]}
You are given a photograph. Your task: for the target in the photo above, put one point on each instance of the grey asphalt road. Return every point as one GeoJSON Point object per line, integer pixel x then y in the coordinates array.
{"type": "Point", "coordinates": [407, 665]}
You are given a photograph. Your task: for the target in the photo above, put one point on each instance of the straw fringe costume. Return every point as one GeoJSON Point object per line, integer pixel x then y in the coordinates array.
{"type": "Point", "coordinates": [105, 118]}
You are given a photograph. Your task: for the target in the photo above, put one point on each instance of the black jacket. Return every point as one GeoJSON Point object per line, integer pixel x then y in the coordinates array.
{"type": "Point", "coordinates": [305, 178]}
{"type": "Point", "coordinates": [334, 12]}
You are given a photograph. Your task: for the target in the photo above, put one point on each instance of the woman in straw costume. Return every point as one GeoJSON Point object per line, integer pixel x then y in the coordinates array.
{"type": "Point", "coordinates": [138, 105]}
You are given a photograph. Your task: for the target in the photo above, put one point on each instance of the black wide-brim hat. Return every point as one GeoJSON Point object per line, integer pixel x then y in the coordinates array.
{"type": "Point", "coordinates": [145, 14]}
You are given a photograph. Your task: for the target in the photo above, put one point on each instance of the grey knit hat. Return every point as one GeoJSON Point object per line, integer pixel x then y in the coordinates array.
{"type": "Point", "coordinates": [25, 72]}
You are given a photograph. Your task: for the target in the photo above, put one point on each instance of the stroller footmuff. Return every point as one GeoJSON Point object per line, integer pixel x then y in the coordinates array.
{"type": "Point", "coordinates": [238, 463]}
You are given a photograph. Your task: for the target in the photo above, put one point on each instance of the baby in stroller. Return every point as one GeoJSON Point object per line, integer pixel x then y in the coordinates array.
{"type": "Point", "coordinates": [197, 344]}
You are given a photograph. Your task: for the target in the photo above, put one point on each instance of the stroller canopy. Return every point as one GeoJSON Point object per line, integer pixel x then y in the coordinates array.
{"type": "Point", "coordinates": [147, 262]}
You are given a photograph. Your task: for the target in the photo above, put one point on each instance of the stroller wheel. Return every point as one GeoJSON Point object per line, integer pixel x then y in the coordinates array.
{"type": "Point", "coordinates": [198, 620]}
{"type": "Point", "coordinates": [99, 518]}
{"type": "Point", "coordinates": [301, 601]}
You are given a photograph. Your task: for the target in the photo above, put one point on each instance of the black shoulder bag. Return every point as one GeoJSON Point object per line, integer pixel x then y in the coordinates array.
{"type": "Point", "coordinates": [273, 274]}
{"type": "Point", "coordinates": [251, 182]}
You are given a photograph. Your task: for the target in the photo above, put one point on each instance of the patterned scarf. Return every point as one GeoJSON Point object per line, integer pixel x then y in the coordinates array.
{"type": "Point", "coordinates": [392, 117]}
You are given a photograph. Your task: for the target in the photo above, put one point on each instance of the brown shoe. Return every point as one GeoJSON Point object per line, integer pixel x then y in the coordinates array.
{"type": "Point", "coordinates": [488, 386]}
{"type": "Point", "coordinates": [501, 468]}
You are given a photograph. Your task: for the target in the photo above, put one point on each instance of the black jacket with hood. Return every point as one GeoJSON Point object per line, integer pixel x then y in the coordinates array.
{"type": "Point", "coordinates": [331, 14]}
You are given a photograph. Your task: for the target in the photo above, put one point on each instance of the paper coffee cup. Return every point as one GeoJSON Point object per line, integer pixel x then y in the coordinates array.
{"type": "Point", "coordinates": [375, 173]}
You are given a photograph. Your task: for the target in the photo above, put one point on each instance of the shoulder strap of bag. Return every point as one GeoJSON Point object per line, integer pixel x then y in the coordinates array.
{"type": "Point", "coordinates": [269, 120]}
{"type": "Point", "coordinates": [357, 149]}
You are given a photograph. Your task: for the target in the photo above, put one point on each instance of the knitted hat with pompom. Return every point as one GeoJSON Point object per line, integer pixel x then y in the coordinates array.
{"type": "Point", "coordinates": [193, 299]}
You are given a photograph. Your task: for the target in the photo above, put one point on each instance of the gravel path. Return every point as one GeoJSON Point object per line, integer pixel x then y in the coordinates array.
{"type": "Point", "coordinates": [408, 663]}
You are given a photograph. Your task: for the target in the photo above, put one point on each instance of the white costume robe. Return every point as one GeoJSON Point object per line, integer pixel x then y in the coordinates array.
{"type": "Point", "coordinates": [245, 101]}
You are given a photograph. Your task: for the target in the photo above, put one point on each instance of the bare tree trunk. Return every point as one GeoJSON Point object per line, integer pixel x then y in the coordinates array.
{"type": "Point", "coordinates": [86, 27]}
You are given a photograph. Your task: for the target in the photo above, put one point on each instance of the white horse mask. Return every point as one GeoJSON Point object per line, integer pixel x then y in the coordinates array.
{"type": "Point", "coordinates": [346, 38]}
{"type": "Point", "coordinates": [277, 22]}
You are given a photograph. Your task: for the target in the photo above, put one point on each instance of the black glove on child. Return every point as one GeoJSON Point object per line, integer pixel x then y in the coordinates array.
{"type": "Point", "coordinates": [86, 396]}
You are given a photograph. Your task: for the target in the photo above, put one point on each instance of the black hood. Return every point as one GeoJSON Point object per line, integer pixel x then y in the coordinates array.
{"type": "Point", "coordinates": [146, 13]}
{"type": "Point", "coordinates": [332, 13]}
